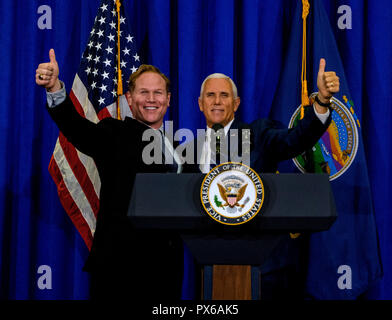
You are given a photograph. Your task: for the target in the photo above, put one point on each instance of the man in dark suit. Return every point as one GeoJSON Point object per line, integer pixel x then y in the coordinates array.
{"type": "Point", "coordinates": [123, 263]}
{"type": "Point", "coordinates": [270, 143]}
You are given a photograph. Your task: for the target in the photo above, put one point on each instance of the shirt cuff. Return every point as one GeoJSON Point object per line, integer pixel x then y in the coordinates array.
{"type": "Point", "coordinates": [57, 97]}
{"type": "Point", "coordinates": [323, 117]}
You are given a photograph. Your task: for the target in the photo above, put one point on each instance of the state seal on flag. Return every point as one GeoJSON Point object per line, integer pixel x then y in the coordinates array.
{"type": "Point", "coordinates": [336, 150]}
{"type": "Point", "coordinates": [232, 193]}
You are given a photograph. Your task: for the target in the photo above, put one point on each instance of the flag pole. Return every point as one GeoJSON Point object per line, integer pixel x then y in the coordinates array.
{"type": "Point", "coordinates": [119, 75]}
{"type": "Point", "coordinates": [304, 90]}
{"type": "Point", "coordinates": [304, 83]}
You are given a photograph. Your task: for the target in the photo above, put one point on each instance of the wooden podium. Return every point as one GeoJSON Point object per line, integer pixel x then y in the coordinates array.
{"type": "Point", "coordinates": [292, 203]}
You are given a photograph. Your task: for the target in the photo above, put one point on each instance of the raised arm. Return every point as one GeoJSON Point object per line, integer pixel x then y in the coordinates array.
{"type": "Point", "coordinates": [85, 135]}
{"type": "Point", "coordinates": [288, 143]}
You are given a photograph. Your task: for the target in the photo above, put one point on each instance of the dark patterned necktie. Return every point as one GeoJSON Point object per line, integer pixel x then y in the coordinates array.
{"type": "Point", "coordinates": [217, 143]}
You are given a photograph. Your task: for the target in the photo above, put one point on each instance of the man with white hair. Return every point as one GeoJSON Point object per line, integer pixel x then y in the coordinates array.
{"type": "Point", "coordinates": [269, 144]}
{"type": "Point", "coordinates": [219, 101]}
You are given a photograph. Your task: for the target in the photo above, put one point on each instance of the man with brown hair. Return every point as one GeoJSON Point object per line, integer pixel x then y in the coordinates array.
{"type": "Point", "coordinates": [123, 262]}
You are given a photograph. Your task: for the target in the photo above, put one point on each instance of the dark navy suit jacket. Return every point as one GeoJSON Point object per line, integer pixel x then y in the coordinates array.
{"type": "Point", "coordinates": [119, 252]}
{"type": "Point", "coordinates": [271, 143]}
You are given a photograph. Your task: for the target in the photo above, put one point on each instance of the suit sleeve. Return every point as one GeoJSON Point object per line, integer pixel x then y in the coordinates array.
{"type": "Point", "coordinates": [288, 143]}
{"type": "Point", "coordinates": [85, 135]}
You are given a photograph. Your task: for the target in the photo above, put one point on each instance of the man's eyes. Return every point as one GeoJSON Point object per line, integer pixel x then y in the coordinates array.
{"type": "Point", "coordinates": [222, 95]}
{"type": "Point", "coordinates": [146, 92]}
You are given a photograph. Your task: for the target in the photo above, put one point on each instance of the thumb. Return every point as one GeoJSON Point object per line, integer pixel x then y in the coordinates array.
{"type": "Point", "coordinates": [52, 55]}
{"type": "Point", "coordinates": [322, 65]}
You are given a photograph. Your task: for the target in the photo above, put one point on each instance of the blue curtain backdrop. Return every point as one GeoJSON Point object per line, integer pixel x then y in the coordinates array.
{"type": "Point", "coordinates": [187, 40]}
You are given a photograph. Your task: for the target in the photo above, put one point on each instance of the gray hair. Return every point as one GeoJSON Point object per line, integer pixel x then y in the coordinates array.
{"type": "Point", "coordinates": [220, 76]}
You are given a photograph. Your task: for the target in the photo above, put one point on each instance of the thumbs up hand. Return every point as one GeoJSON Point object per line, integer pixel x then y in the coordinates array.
{"type": "Point", "coordinates": [327, 83]}
{"type": "Point", "coordinates": [47, 74]}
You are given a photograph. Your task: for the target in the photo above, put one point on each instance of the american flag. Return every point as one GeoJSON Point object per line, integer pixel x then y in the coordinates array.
{"type": "Point", "coordinates": [94, 95]}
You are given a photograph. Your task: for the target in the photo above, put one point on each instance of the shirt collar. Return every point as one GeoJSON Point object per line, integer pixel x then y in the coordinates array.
{"type": "Point", "coordinates": [226, 128]}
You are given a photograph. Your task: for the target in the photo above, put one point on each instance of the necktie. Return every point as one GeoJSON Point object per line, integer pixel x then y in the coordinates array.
{"type": "Point", "coordinates": [216, 140]}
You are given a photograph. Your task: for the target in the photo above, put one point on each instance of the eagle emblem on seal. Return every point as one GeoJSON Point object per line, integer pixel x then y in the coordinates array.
{"type": "Point", "coordinates": [232, 190]}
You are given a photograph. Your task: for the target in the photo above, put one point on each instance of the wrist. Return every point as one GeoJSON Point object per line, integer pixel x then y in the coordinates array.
{"type": "Point", "coordinates": [56, 87]}
{"type": "Point", "coordinates": [323, 101]}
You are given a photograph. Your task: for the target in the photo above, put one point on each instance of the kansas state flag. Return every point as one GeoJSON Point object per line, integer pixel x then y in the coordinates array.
{"type": "Point", "coordinates": [343, 261]}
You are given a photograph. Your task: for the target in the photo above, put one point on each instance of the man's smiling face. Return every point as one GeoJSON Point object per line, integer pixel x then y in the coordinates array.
{"type": "Point", "coordinates": [149, 99]}
{"type": "Point", "coordinates": [217, 102]}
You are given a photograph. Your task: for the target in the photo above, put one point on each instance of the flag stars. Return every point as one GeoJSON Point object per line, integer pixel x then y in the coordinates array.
{"type": "Point", "coordinates": [103, 88]}
{"type": "Point", "coordinates": [107, 62]}
{"type": "Point", "coordinates": [101, 101]}
{"type": "Point", "coordinates": [102, 20]}
{"type": "Point", "coordinates": [105, 75]}
{"type": "Point", "coordinates": [101, 59]}
{"type": "Point", "coordinates": [123, 64]}
{"type": "Point", "coordinates": [112, 25]}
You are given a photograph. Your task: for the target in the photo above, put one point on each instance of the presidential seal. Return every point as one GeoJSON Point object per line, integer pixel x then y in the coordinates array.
{"type": "Point", "coordinates": [232, 193]}
{"type": "Point", "coordinates": [336, 150]}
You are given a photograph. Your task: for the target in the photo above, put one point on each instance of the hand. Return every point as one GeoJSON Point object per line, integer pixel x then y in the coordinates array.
{"type": "Point", "coordinates": [327, 83]}
{"type": "Point", "coordinates": [47, 74]}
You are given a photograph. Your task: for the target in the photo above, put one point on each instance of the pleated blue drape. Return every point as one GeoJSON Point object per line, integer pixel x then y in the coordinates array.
{"type": "Point", "coordinates": [187, 40]}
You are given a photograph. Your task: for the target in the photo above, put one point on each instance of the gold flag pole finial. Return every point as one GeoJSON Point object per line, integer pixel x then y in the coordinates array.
{"type": "Point", "coordinates": [119, 75]}
{"type": "Point", "coordinates": [304, 92]}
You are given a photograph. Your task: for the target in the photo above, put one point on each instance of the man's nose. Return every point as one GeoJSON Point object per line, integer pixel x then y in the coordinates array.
{"type": "Point", "coordinates": [217, 100]}
{"type": "Point", "coordinates": [151, 97]}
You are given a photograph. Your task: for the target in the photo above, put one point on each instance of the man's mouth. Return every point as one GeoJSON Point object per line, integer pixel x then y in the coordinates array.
{"type": "Point", "coordinates": [150, 108]}
{"type": "Point", "coordinates": [217, 110]}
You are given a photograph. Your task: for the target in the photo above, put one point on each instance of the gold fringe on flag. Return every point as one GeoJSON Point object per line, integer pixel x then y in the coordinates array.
{"type": "Point", "coordinates": [119, 75]}
{"type": "Point", "coordinates": [304, 92]}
